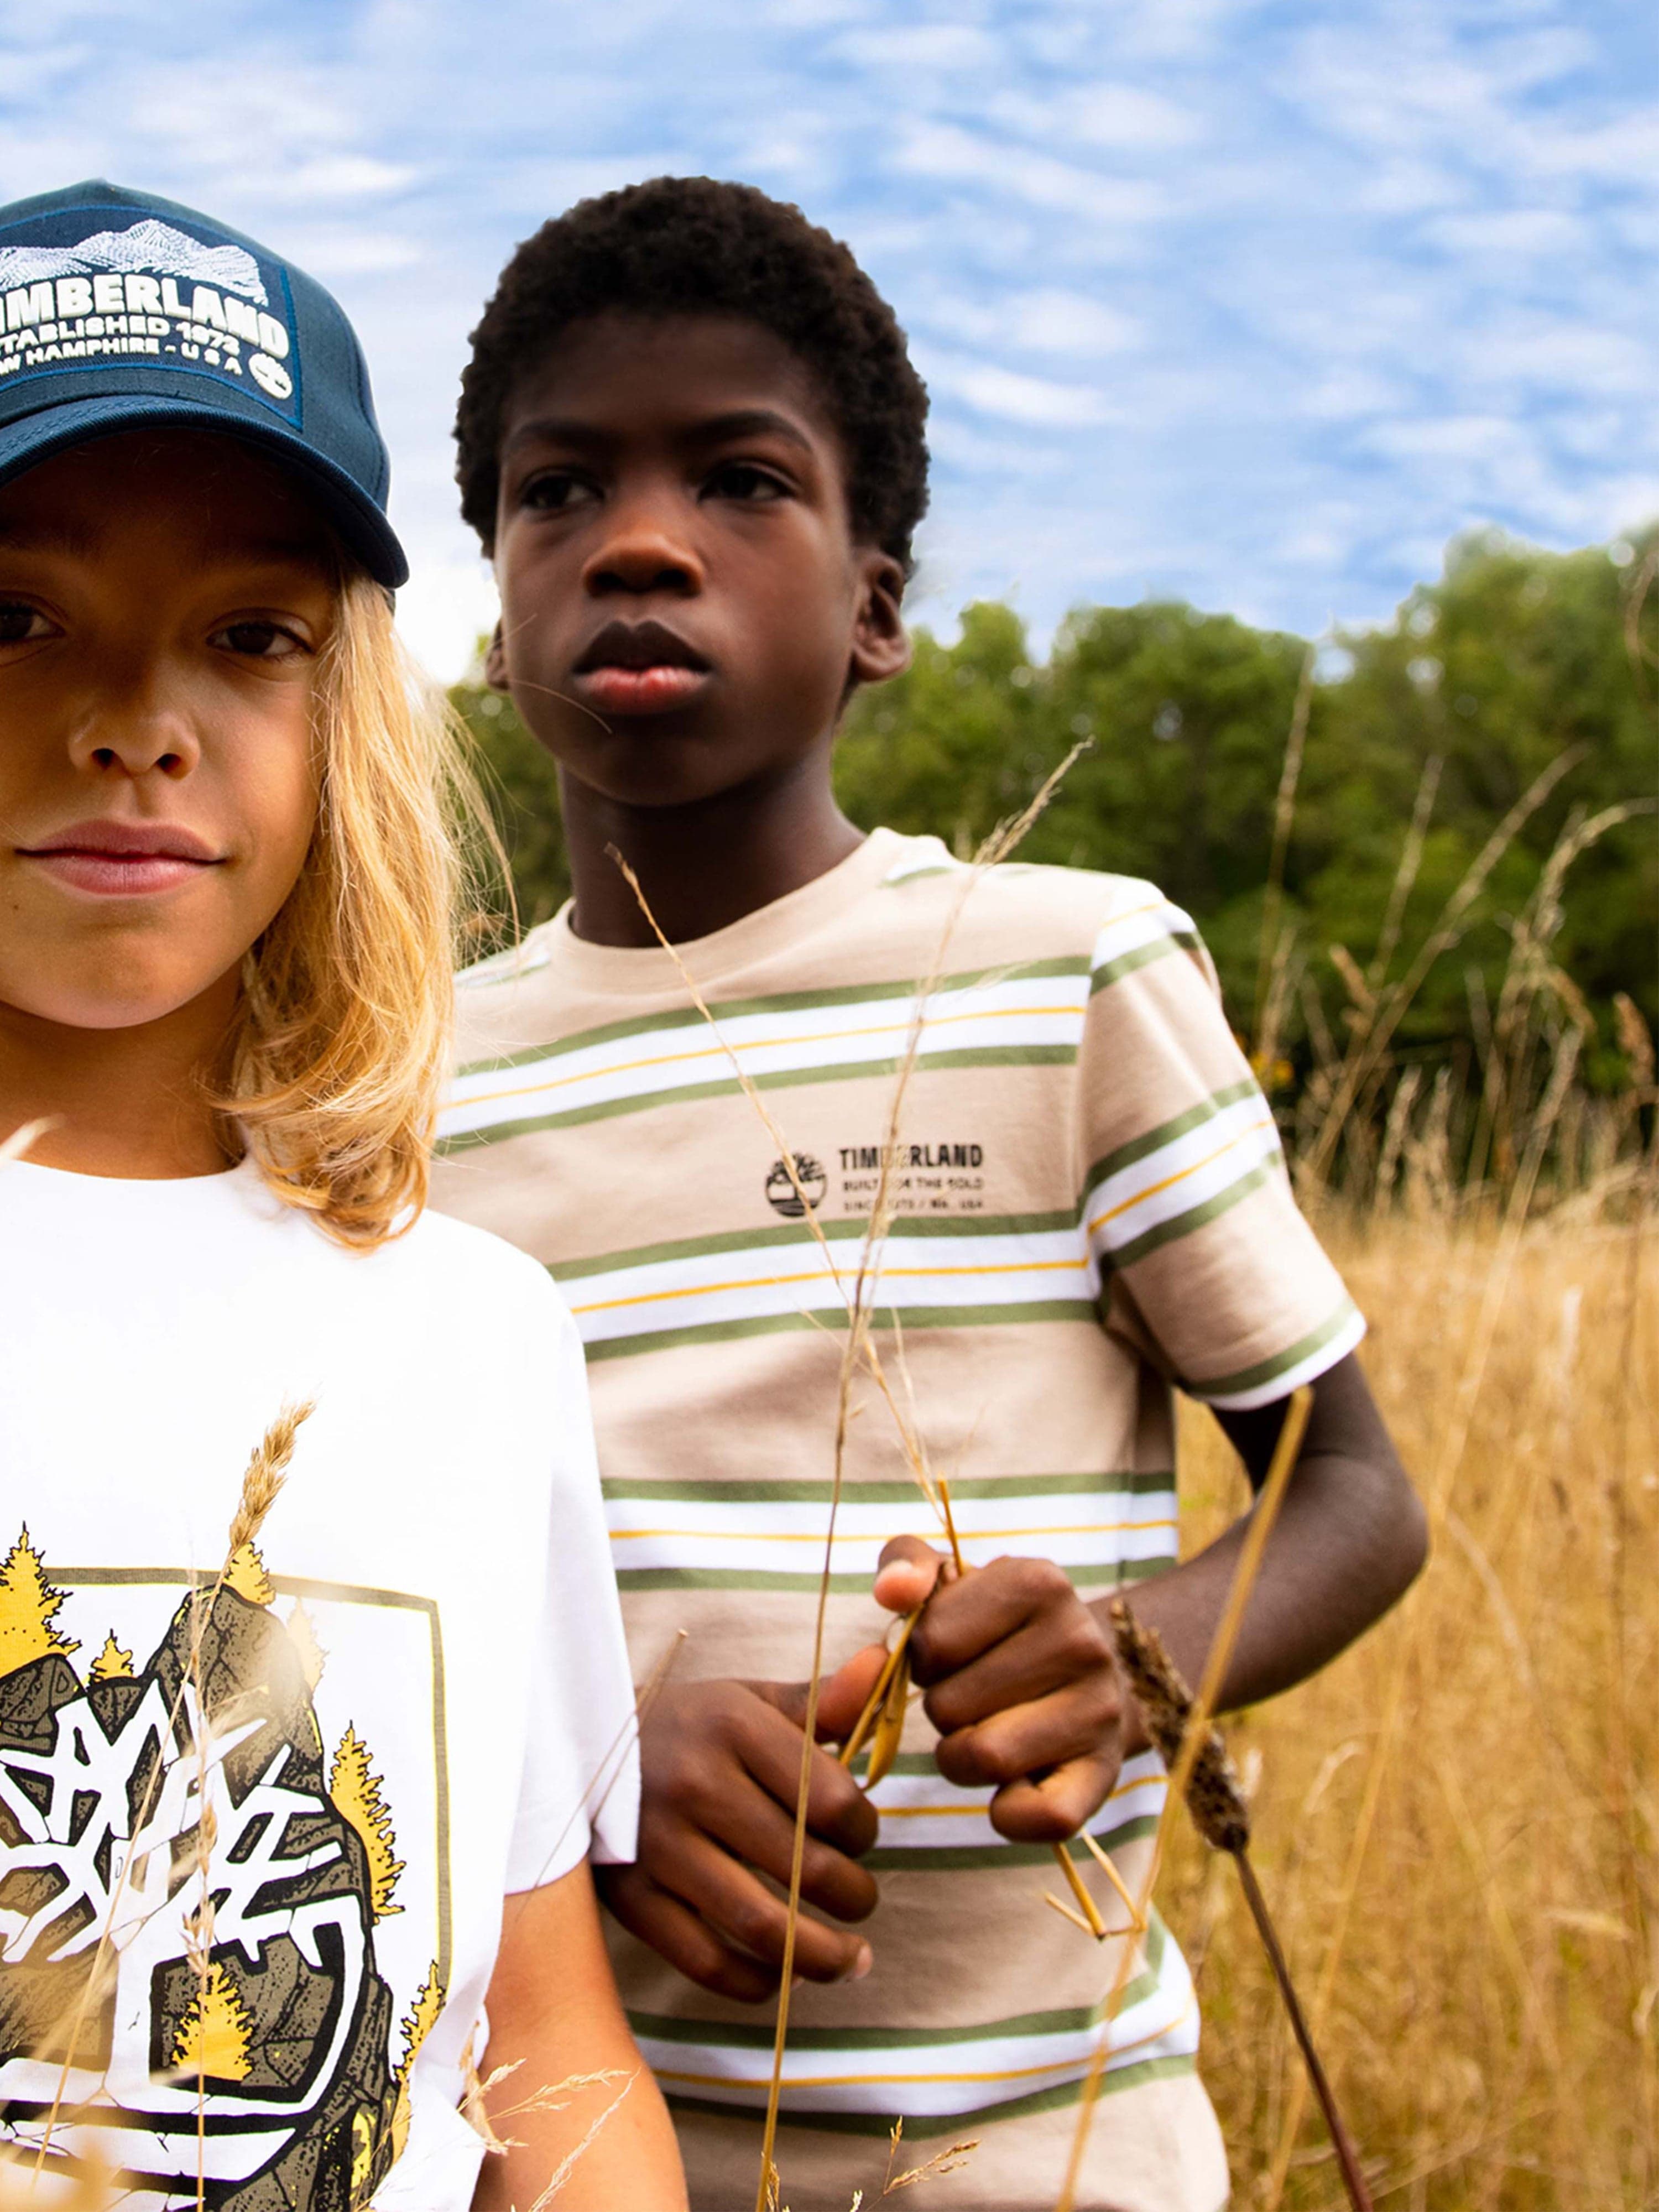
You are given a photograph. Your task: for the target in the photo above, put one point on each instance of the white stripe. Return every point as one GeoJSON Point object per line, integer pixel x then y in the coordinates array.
{"type": "Point", "coordinates": [924, 1811]}
{"type": "Point", "coordinates": [1075, 1529]}
{"type": "Point", "coordinates": [1182, 1174]}
{"type": "Point", "coordinates": [1150, 919]}
{"type": "Point", "coordinates": [1305, 1371]}
{"type": "Point", "coordinates": [940, 2079]}
{"type": "Point", "coordinates": [762, 1280]}
{"type": "Point", "coordinates": [682, 1052]}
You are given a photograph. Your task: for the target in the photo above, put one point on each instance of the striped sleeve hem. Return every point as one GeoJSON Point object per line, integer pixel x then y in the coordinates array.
{"type": "Point", "coordinates": [1275, 1377]}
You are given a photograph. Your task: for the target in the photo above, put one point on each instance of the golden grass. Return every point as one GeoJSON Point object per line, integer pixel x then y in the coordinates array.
{"type": "Point", "coordinates": [1492, 2016]}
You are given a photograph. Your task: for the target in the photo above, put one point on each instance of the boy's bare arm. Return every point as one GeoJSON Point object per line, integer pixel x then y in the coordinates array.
{"type": "Point", "coordinates": [555, 2017]}
{"type": "Point", "coordinates": [1022, 1685]}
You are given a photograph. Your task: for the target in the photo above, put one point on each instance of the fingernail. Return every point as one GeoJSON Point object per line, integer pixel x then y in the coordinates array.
{"type": "Point", "coordinates": [799, 1981]}
{"type": "Point", "coordinates": [862, 1964]}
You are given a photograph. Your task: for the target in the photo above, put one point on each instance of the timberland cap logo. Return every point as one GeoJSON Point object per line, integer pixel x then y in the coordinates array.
{"type": "Point", "coordinates": [149, 295]}
{"type": "Point", "coordinates": [782, 1194]}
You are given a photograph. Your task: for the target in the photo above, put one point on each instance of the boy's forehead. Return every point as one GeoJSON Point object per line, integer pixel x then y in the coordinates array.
{"type": "Point", "coordinates": [674, 373]}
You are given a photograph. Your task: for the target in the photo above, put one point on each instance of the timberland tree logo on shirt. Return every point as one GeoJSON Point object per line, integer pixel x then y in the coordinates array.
{"type": "Point", "coordinates": [780, 1186]}
{"type": "Point", "coordinates": [147, 294]}
{"type": "Point", "coordinates": [114, 2015]}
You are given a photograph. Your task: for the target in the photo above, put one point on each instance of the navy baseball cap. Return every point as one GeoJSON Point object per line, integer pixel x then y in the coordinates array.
{"type": "Point", "coordinates": [119, 309]}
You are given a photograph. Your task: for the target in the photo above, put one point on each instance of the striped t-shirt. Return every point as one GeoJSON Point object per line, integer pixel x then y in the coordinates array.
{"type": "Point", "coordinates": [1092, 1207]}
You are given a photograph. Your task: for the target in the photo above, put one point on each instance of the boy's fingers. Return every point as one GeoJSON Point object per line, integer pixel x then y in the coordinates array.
{"type": "Point", "coordinates": [747, 1915]}
{"type": "Point", "coordinates": [1027, 1740]}
{"type": "Point", "coordinates": [836, 1809]}
{"type": "Point", "coordinates": [973, 1612]}
{"type": "Point", "coordinates": [908, 1573]}
{"type": "Point", "coordinates": [1047, 1810]}
{"type": "Point", "coordinates": [842, 1696]}
{"type": "Point", "coordinates": [1066, 1654]}
{"type": "Point", "coordinates": [759, 1834]}
{"type": "Point", "coordinates": [675, 1933]}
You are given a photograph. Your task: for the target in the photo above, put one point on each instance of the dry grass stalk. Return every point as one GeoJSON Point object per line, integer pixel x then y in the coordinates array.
{"type": "Point", "coordinates": [1492, 2030]}
{"type": "Point", "coordinates": [1272, 946]}
{"type": "Point", "coordinates": [1221, 1814]}
{"type": "Point", "coordinates": [568, 2165]}
{"type": "Point", "coordinates": [262, 1481]}
{"type": "Point", "coordinates": [858, 1349]}
{"type": "Point", "coordinates": [1263, 1516]}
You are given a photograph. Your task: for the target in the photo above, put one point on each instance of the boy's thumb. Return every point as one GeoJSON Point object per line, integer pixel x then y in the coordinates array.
{"type": "Point", "coordinates": [842, 1696]}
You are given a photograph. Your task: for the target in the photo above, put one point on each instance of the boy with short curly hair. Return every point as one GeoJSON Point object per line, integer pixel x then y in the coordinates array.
{"type": "Point", "coordinates": [693, 442]}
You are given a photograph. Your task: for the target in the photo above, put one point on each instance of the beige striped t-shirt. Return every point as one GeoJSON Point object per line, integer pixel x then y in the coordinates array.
{"type": "Point", "coordinates": [1090, 1208]}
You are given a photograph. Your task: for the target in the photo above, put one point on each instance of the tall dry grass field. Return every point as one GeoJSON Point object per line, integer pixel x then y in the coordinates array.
{"type": "Point", "coordinates": [1458, 1823]}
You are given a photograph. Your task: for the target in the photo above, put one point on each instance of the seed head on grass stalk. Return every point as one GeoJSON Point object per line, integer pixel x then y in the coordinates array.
{"type": "Point", "coordinates": [262, 1482]}
{"type": "Point", "coordinates": [1192, 1739]}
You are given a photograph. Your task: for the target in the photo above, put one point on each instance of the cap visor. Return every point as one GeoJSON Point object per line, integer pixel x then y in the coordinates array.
{"type": "Point", "coordinates": [358, 522]}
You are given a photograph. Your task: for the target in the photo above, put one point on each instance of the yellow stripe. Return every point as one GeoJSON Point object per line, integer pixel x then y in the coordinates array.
{"type": "Point", "coordinates": [718, 1051]}
{"type": "Point", "coordinates": [816, 1275]}
{"type": "Point", "coordinates": [875, 1536]}
{"type": "Point", "coordinates": [1180, 1175]}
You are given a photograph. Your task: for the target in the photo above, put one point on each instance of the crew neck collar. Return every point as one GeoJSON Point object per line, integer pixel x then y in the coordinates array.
{"type": "Point", "coordinates": [647, 970]}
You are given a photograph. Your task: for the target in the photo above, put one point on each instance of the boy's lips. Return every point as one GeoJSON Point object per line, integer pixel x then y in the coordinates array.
{"type": "Point", "coordinates": [639, 668]}
{"type": "Point", "coordinates": [122, 860]}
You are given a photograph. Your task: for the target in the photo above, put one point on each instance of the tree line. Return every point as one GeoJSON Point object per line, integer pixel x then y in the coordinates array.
{"type": "Point", "coordinates": [1314, 810]}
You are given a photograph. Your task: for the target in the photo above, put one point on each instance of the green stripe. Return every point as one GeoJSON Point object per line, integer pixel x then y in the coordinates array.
{"type": "Point", "coordinates": [757, 2035]}
{"type": "Point", "coordinates": [835, 1317]}
{"type": "Point", "coordinates": [797, 1235]}
{"type": "Point", "coordinates": [1139, 1483]}
{"type": "Point", "coordinates": [923, 2128]}
{"type": "Point", "coordinates": [1124, 1156]}
{"type": "Point", "coordinates": [963, 1858]}
{"type": "Point", "coordinates": [686, 1018]}
{"type": "Point", "coordinates": [1265, 1370]}
{"type": "Point", "coordinates": [1197, 1217]}
{"type": "Point", "coordinates": [1029, 1056]}
{"type": "Point", "coordinates": [1180, 940]}
{"type": "Point", "coordinates": [1107, 1575]}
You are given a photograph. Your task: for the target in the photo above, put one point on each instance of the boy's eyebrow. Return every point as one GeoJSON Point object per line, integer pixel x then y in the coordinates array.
{"type": "Point", "coordinates": [49, 534]}
{"type": "Point", "coordinates": [715, 429]}
{"type": "Point", "coordinates": [62, 534]}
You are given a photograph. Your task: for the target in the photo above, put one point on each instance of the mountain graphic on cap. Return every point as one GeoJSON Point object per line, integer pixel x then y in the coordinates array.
{"type": "Point", "coordinates": [120, 310]}
{"type": "Point", "coordinates": [151, 248]}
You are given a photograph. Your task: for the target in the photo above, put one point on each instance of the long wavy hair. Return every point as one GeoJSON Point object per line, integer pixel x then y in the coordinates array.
{"type": "Point", "coordinates": [331, 1070]}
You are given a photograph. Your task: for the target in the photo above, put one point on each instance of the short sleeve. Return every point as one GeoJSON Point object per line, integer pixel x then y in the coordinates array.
{"type": "Point", "coordinates": [1187, 1202]}
{"type": "Point", "coordinates": [581, 1787]}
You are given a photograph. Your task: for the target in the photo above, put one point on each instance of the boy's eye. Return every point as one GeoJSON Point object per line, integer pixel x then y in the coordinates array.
{"type": "Point", "coordinates": [260, 641]}
{"type": "Point", "coordinates": [556, 492]}
{"type": "Point", "coordinates": [743, 480]}
{"type": "Point", "coordinates": [21, 624]}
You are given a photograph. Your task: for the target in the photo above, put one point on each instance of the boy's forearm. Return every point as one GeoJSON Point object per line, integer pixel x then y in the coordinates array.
{"type": "Point", "coordinates": [556, 2023]}
{"type": "Point", "coordinates": [1348, 1541]}
{"type": "Point", "coordinates": [631, 2159]}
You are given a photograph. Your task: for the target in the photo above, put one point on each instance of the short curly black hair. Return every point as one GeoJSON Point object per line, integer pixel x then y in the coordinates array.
{"type": "Point", "coordinates": [680, 246]}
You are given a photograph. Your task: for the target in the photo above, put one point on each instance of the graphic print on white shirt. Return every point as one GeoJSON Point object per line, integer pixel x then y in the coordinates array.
{"type": "Point", "coordinates": [135, 1710]}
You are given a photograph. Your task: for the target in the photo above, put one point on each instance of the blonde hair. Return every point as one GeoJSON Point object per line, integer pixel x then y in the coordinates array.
{"type": "Point", "coordinates": [332, 1069]}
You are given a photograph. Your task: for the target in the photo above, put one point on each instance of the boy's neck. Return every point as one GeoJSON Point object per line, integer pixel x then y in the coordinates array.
{"type": "Point", "coordinates": [700, 866]}
{"type": "Point", "coordinates": [120, 1103]}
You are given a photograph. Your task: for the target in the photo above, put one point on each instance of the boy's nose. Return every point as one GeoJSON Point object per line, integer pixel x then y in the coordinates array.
{"type": "Point", "coordinates": [137, 728]}
{"type": "Point", "coordinates": [642, 557]}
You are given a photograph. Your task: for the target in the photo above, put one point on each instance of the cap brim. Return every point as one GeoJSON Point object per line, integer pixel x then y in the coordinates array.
{"type": "Point", "coordinates": [360, 525]}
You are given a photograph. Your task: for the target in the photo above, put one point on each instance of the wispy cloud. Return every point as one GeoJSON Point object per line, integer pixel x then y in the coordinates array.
{"type": "Point", "coordinates": [1257, 304]}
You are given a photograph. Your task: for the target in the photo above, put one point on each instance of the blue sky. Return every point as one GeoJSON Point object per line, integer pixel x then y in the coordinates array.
{"type": "Point", "coordinates": [1250, 302]}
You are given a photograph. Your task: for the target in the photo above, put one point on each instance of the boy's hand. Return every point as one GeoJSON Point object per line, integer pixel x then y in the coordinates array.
{"type": "Point", "coordinates": [720, 1768]}
{"type": "Point", "coordinates": [1022, 1686]}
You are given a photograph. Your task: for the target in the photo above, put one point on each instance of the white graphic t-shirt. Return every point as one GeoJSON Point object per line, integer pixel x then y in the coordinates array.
{"type": "Point", "coordinates": [405, 1697]}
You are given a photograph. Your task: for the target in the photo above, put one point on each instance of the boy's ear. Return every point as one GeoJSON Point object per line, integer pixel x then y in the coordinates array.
{"type": "Point", "coordinates": [881, 644]}
{"type": "Point", "coordinates": [495, 662]}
